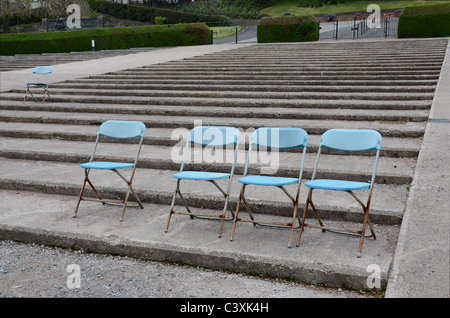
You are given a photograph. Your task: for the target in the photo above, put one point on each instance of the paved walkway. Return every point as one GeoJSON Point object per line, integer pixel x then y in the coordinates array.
{"type": "Point", "coordinates": [421, 262]}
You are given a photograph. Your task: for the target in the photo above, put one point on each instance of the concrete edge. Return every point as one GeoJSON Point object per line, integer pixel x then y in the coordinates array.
{"type": "Point", "coordinates": [402, 276]}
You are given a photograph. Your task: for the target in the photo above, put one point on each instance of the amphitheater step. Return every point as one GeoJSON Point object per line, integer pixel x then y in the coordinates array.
{"type": "Point", "coordinates": [392, 146]}
{"type": "Point", "coordinates": [157, 186]}
{"type": "Point", "coordinates": [312, 126]}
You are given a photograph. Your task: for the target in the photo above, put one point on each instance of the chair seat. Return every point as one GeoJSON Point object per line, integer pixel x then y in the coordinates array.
{"type": "Point", "coordinates": [106, 165]}
{"type": "Point", "coordinates": [268, 180]}
{"type": "Point", "coordinates": [201, 175]}
{"type": "Point", "coordinates": [337, 185]}
{"type": "Point", "coordinates": [37, 83]}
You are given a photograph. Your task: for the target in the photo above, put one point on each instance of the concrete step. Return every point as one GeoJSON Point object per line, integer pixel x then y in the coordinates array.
{"type": "Point", "coordinates": [414, 115]}
{"type": "Point", "coordinates": [232, 102]}
{"type": "Point", "coordinates": [313, 126]}
{"type": "Point", "coordinates": [208, 86]}
{"type": "Point", "coordinates": [390, 169]}
{"type": "Point", "coordinates": [323, 72]}
{"type": "Point", "coordinates": [392, 146]}
{"type": "Point", "coordinates": [331, 95]}
{"type": "Point", "coordinates": [363, 78]}
{"type": "Point", "coordinates": [243, 83]}
{"type": "Point", "coordinates": [304, 59]}
{"type": "Point", "coordinates": [295, 67]}
{"type": "Point", "coordinates": [156, 186]}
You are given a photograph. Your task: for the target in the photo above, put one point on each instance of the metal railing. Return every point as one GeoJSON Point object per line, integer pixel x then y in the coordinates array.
{"type": "Point", "coordinates": [362, 28]}
{"type": "Point", "coordinates": [49, 25]}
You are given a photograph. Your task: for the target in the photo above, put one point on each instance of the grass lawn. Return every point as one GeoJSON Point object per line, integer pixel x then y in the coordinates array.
{"type": "Point", "coordinates": [283, 6]}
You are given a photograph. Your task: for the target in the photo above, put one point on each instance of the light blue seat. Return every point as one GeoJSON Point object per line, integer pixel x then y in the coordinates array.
{"type": "Point", "coordinates": [200, 175]}
{"type": "Point", "coordinates": [106, 165]}
{"type": "Point", "coordinates": [346, 140]}
{"type": "Point", "coordinates": [219, 138]}
{"type": "Point", "coordinates": [119, 130]}
{"type": "Point", "coordinates": [338, 185]}
{"type": "Point", "coordinates": [274, 138]}
{"type": "Point", "coordinates": [43, 73]}
{"type": "Point", "coordinates": [268, 181]}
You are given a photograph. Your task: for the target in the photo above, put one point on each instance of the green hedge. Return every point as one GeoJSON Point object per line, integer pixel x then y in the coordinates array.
{"type": "Point", "coordinates": [425, 21]}
{"type": "Point", "coordinates": [148, 14]}
{"type": "Point", "coordinates": [288, 29]}
{"type": "Point", "coordinates": [105, 39]}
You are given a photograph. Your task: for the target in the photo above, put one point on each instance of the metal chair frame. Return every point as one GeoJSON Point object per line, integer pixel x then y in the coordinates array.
{"type": "Point", "coordinates": [41, 70]}
{"type": "Point", "coordinates": [298, 140]}
{"type": "Point", "coordinates": [111, 129]}
{"type": "Point", "coordinates": [210, 177]}
{"type": "Point", "coordinates": [375, 144]}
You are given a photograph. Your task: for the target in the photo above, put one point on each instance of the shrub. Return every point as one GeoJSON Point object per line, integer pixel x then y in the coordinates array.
{"type": "Point", "coordinates": [105, 39]}
{"type": "Point", "coordinates": [148, 14]}
{"type": "Point", "coordinates": [288, 29]}
{"type": "Point", "coordinates": [160, 20]}
{"type": "Point", "coordinates": [236, 9]}
{"type": "Point", "coordinates": [425, 21]}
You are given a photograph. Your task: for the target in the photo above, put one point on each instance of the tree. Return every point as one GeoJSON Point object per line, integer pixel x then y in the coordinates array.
{"type": "Point", "coordinates": [39, 9]}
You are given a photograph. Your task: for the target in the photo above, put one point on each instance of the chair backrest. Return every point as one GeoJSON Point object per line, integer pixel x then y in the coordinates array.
{"type": "Point", "coordinates": [43, 70]}
{"type": "Point", "coordinates": [214, 136]}
{"type": "Point", "coordinates": [41, 74]}
{"type": "Point", "coordinates": [280, 137]}
{"type": "Point", "coordinates": [351, 139]}
{"type": "Point", "coordinates": [122, 129]}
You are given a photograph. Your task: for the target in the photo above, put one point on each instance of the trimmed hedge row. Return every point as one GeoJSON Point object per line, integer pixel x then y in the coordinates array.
{"type": "Point", "coordinates": [288, 29]}
{"type": "Point", "coordinates": [425, 21]}
{"type": "Point", "coordinates": [105, 39]}
{"type": "Point", "coordinates": [148, 14]}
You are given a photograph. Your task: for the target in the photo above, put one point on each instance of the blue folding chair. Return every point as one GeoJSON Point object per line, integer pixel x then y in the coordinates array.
{"type": "Point", "coordinates": [273, 138]}
{"type": "Point", "coordinates": [348, 140]}
{"type": "Point", "coordinates": [217, 137]}
{"type": "Point", "coordinates": [120, 130]}
{"type": "Point", "coordinates": [44, 74]}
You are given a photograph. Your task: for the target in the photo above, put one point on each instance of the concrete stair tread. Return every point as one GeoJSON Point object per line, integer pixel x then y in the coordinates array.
{"type": "Point", "coordinates": [163, 135]}
{"type": "Point", "coordinates": [243, 83]}
{"type": "Point", "coordinates": [390, 170]}
{"type": "Point", "coordinates": [314, 76]}
{"type": "Point", "coordinates": [248, 94]}
{"type": "Point", "coordinates": [221, 111]}
{"type": "Point", "coordinates": [242, 95]}
{"type": "Point", "coordinates": [230, 87]}
{"type": "Point", "coordinates": [313, 126]}
{"type": "Point", "coordinates": [233, 102]}
{"type": "Point", "coordinates": [157, 186]}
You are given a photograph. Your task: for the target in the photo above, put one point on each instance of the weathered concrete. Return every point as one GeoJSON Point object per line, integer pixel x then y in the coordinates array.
{"type": "Point", "coordinates": [421, 263]}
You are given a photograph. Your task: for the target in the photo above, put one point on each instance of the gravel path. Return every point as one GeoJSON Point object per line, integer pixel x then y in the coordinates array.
{"type": "Point", "coordinates": [36, 271]}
